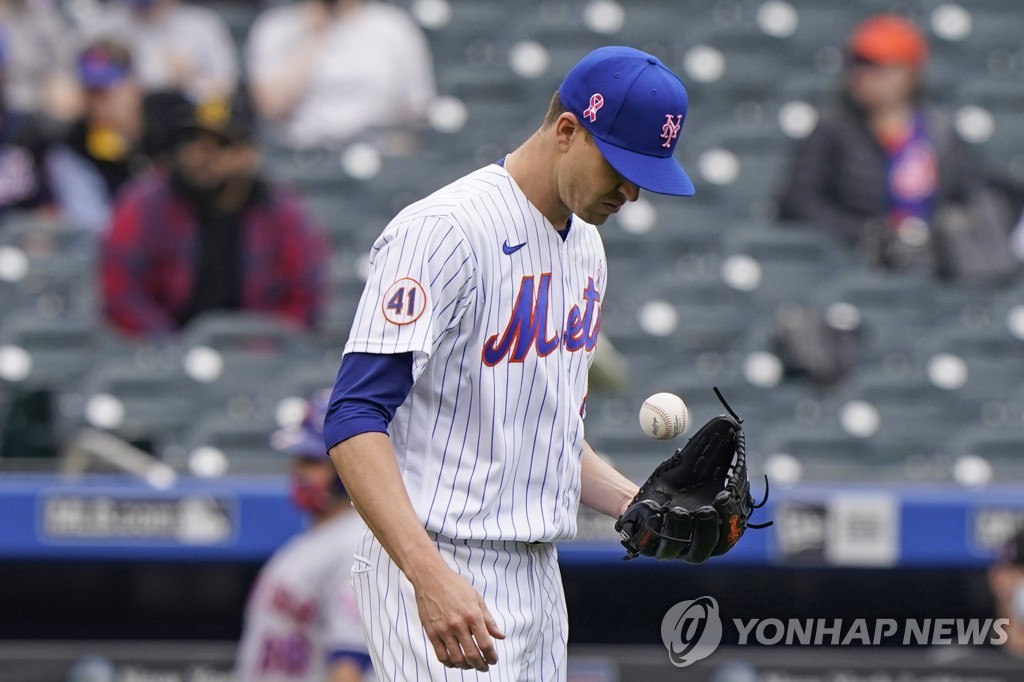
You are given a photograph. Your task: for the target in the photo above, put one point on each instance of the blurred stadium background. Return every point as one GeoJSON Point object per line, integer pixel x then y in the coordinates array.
{"type": "Point", "coordinates": [891, 491]}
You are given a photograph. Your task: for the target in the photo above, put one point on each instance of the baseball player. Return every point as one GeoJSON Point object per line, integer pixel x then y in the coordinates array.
{"type": "Point", "coordinates": [456, 419]}
{"type": "Point", "coordinates": [301, 622]}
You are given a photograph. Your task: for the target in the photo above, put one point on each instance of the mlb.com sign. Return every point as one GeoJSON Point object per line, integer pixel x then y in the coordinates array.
{"type": "Point", "coordinates": [692, 630]}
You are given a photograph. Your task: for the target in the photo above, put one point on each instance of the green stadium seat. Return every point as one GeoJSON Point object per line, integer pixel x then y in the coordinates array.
{"type": "Point", "coordinates": [45, 350]}
{"type": "Point", "coordinates": [142, 396]}
{"type": "Point", "coordinates": [893, 307]}
{"type": "Point", "coordinates": [220, 443]}
{"type": "Point", "coordinates": [234, 356]}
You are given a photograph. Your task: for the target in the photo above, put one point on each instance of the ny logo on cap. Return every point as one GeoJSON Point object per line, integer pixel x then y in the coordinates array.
{"type": "Point", "coordinates": [670, 130]}
{"type": "Point", "coordinates": [596, 102]}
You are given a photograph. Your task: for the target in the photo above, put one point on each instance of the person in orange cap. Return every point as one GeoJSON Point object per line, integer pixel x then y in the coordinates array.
{"type": "Point", "coordinates": [885, 171]}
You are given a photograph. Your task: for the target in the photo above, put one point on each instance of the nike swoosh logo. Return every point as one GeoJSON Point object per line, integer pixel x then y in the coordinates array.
{"type": "Point", "coordinates": [509, 250]}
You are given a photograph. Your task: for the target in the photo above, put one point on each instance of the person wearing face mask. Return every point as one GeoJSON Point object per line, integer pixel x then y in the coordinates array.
{"type": "Point", "coordinates": [887, 173]}
{"type": "Point", "coordinates": [210, 234]}
{"type": "Point", "coordinates": [301, 621]}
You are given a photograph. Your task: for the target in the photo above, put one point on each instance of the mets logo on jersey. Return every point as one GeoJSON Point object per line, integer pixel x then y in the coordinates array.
{"type": "Point", "coordinates": [670, 130]}
{"type": "Point", "coordinates": [527, 329]}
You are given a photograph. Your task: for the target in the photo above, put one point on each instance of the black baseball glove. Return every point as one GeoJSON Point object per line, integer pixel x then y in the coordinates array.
{"type": "Point", "coordinates": [697, 503]}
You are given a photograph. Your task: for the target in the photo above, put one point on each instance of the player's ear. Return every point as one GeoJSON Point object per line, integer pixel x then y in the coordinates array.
{"type": "Point", "coordinates": [566, 126]}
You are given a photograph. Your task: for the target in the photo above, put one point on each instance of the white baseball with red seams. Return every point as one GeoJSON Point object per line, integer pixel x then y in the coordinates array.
{"type": "Point", "coordinates": [663, 416]}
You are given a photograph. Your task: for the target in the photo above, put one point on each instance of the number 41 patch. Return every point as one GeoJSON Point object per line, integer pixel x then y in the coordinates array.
{"type": "Point", "coordinates": [404, 302]}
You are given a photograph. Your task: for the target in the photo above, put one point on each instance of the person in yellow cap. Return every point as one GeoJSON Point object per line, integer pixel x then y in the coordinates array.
{"type": "Point", "coordinates": [885, 171]}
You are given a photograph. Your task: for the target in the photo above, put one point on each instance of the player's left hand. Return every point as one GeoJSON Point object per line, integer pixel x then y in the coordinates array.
{"type": "Point", "coordinates": [696, 504]}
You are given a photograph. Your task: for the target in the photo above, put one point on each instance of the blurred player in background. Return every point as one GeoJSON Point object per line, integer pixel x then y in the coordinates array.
{"type": "Point", "coordinates": [457, 417]}
{"type": "Point", "coordinates": [1006, 580]}
{"type": "Point", "coordinates": [301, 622]}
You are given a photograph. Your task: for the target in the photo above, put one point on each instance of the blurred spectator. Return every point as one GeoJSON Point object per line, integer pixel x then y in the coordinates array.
{"type": "Point", "coordinates": [162, 113]}
{"type": "Point", "coordinates": [889, 174]}
{"type": "Point", "coordinates": [1006, 580]}
{"type": "Point", "coordinates": [23, 144]}
{"type": "Point", "coordinates": [211, 234]}
{"type": "Point", "coordinates": [330, 71]}
{"type": "Point", "coordinates": [99, 153]}
{"type": "Point", "coordinates": [119, 133]}
{"type": "Point", "coordinates": [301, 621]}
{"type": "Point", "coordinates": [39, 51]}
{"type": "Point", "coordinates": [174, 45]}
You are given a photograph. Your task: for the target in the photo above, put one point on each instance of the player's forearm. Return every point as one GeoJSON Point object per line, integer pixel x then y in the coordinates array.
{"type": "Point", "coordinates": [367, 466]}
{"type": "Point", "coordinates": [604, 489]}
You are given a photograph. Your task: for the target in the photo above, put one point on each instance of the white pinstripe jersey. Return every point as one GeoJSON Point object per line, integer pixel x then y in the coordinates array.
{"type": "Point", "coordinates": [502, 317]}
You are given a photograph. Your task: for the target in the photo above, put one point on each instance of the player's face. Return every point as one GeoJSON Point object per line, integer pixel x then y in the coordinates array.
{"type": "Point", "coordinates": [317, 471]}
{"type": "Point", "coordinates": [311, 479]}
{"type": "Point", "coordinates": [588, 185]}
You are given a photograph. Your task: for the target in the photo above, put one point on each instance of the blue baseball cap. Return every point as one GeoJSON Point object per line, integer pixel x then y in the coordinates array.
{"type": "Point", "coordinates": [103, 64]}
{"type": "Point", "coordinates": [634, 107]}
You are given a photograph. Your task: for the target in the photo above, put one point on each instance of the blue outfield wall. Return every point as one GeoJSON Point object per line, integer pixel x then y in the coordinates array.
{"type": "Point", "coordinates": [243, 519]}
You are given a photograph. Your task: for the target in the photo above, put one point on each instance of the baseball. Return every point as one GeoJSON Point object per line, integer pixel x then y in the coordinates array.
{"type": "Point", "coordinates": [663, 416]}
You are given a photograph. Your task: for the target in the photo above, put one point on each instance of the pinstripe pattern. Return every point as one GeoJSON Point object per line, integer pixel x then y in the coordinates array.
{"type": "Point", "coordinates": [490, 440]}
{"type": "Point", "coordinates": [486, 452]}
{"type": "Point", "coordinates": [520, 583]}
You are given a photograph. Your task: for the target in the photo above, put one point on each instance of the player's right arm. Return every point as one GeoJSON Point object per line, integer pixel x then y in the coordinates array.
{"type": "Point", "coordinates": [454, 615]}
{"type": "Point", "coordinates": [422, 279]}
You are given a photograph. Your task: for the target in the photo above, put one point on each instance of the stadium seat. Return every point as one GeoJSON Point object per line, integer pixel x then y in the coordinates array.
{"type": "Point", "coordinates": [38, 355]}
{"type": "Point", "coordinates": [1002, 446]}
{"type": "Point", "coordinates": [893, 307]}
{"type": "Point", "coordinates": [793, 260]}
{"type": "Point", "coordinates": [672, 316]}
{"type": "Point", "coordinates": [824, 452]}
{"type": "Point", "coordinates": [143, 396]}
{"type": "Point", "coordinates": [306, 374]}
{"type": "Point", "coordinates": [233, 355]}
{"type": "Point", "coordinates": [220, 443]}
{"type": "Point", "coordinates": [914, 416]}
{"type": "Point", "coordinates": [992, 360]}
{"type": "Point", "coordinates": [44, 350]}
{"type": "Point", "coordinates": [315, 169]}
{"type": "Point", "coordinates": [823, 25]}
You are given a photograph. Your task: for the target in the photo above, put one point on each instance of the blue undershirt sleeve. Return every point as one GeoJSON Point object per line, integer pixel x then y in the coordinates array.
{"type": "Point", "coordinates": [369, 389]}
